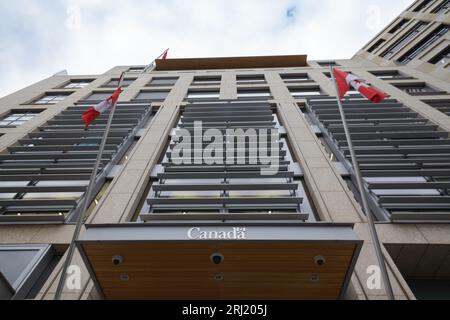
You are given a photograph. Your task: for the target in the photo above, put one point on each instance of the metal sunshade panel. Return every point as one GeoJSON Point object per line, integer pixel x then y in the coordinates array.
{"type": "Point", "coordinates": [258, 192]}
{"type": "Point", "coordinates": [44, 176]}
{"type": "Point", "coordinates": [404, 160]}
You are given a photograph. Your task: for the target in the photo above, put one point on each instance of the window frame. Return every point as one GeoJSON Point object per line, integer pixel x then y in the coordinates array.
{"type": "Point", "coordinates": [34, 269]}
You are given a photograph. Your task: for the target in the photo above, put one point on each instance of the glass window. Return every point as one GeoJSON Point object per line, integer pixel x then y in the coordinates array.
{"type": "Point", "coordinates": [213, 94]}
{"type": "Point", "coordinates": [207, 80]}
{"type": "Point", "coordinates": [424, 4]}
{"type": "Point", "coordinates": [295, 77]}
{"type": "Point", "coordinates": [136, 69]}
{"type": "Point", "coordinates": [390, 74]}
{"type": "Point", "coordinates": [16, 119]}
{"type": "Point", "coordinates": [328, 63]}
{"type": "Point", "coordinates": [399, 26]}
{"type": "Point", "coordinates": [402, 192]}
{"type": "Point", "coordinates": [376, 45]}
{"type": "Point", "coordinates": [442, 8]}
{"type": "Point", "coordinates": [152, 95]}
{"type": "Point", "coordinates": [77, 84]}
{"type": "Point", "coordinates": [305, 92]}
{"type": "Point", "coordinates": [163, 81]}
{"type": "Point", "coordinates": [99, 96]}
{"type": "Point", "coordinates": [407, 38]}
{"type": "Point", "coordinates": [115, 82]}
{"type": "Point", "coordinates": [254, 93]}
{"type": "Point", "coordinates": [442, 58]}
{"type": "Point", "coordinates": [57, 195]}
{"type": "Point", "coordinates": [417, 89]}
{"type": "Point", "coordinates": [52, 98]}
{"type": "Point", "coordinates": [424, 44]}
{"type": "Point", "coordinates": [250, 79]}
{"type": "Point", "coordinates": [22, 267]}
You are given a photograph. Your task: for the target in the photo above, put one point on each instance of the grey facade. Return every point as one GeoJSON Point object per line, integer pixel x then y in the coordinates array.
{"type": "Point", "coordinates": [402, 145]}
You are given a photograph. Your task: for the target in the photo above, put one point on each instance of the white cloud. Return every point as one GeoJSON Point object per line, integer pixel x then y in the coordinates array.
{"type": "Point", "coordinates": [41, 37]}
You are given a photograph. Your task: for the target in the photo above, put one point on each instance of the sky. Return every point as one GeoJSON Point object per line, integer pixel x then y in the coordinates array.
{"type": "Point", "coordinates": [39, 38]}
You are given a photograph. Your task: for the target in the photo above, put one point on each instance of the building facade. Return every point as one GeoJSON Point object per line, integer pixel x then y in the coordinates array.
{"type": "Point", "coordinates": [160, 229]}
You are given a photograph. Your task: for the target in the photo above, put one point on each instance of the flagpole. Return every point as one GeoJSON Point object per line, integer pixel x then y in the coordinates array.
{"type": "Point", "coordinates": [153, 62]}
{"type": "Point", "coordinates": [362, 190]}
{"type": "Point", "coordinates": [86, 200]}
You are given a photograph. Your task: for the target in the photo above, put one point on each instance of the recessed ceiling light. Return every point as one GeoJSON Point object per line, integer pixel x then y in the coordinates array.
{"type": "Point", "coordinates": [218, 277]}
{"type": "Point", "coordinates": [124, 278]}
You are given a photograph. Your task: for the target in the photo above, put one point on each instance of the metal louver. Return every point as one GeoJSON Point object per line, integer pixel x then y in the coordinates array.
{"type": "Point", "coordinates": [225, 191]}
{"type": "Point", "coordinates": [43, 177]}
{"type": "Point", "coordinates": [404, 157]}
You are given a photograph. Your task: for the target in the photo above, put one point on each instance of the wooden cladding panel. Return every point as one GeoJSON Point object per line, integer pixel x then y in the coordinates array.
{"type": "Point", "coordinates": [250, 270]}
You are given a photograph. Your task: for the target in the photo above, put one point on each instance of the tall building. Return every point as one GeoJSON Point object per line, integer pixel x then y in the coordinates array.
{"type": "Point", "coordinates": [158, 228]}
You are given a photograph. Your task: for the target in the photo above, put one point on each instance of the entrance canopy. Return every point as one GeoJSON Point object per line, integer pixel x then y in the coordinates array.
{"type": "Point", "coordinates": [231, 262]}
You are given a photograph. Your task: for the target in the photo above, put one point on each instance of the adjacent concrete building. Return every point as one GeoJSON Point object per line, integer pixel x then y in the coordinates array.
{"type": "Point", "coordinates": [157, 229]}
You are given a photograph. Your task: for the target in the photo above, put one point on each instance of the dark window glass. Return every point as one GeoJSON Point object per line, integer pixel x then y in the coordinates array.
{"type": "Point", "coordinates": [163, 81]}
{"type": "Point", "coordinates": [442, 57]}
{"type": "Point", "coordinates": [376, 45]}
{"type": "Point", "coordinates": [424, 44]}
{"type": "Point", "coordinates": [152, 95]}
{"type": "Point", "coordinates": [399, 25]}
{"type": "Point", "coordinates": [98, 96]}
{"type": "Point", "coordinates": [407, 38]}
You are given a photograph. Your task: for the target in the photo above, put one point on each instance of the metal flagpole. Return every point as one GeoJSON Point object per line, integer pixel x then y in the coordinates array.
{"type": "Point", "coordinates": [362, 190]}
{"type": "Point", "coordinates": [153, 62]}
{"type": "Point", "coordinates": [86, 201]}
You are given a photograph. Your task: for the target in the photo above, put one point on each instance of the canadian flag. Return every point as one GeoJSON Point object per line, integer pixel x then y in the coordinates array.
{"type": "Point", "coordinates": [344, 80]}
{"type": "Point", "coordinates": [165, 54]}
{"type": "Point", "coordinates": [94, 112]}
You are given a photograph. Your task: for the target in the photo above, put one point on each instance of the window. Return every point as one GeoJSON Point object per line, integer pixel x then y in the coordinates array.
{"type": "Point", "coordinates": [136, 69]}
{"type": "Point", "coordinates": [403, 41]}
{"type": "Point", "coordinates": [99, 96]}
{"type": "Point", "coordinates": [418, 89]}
{"type": "Point", "coordinates": [59, 163]}
{"type": "Point", "coordinates": [254, 93]}
{"type": "Point", "coordinates": [376, 45]}
{"type": "Point", "coordinates": [18, 118]}
{"type": "Point", "coordinates": [295, 77]}
{"type": "Point", "coordinates": [207, 81]}
{"type": "Point", "coordinates": [390, 75]}
{"type": "Point", "coordinates": [422, 5]}
{"type": "Point", "coordinates": [229, 191]}
{"type": "Point", "coordinates": [327, 63]}
{"type": "Point", "coordinates": [210, 94]}
{"type": "Point", "coordinates": [77, 84]}
{"type": "Point", "coordinates": [442, 58]}
{"type": "Point", "coordinates": [251, 79]}
{"type": "Point", "coordinates": [431, 289]}
{"type": "Point", "coordinates": [23, 270]}
{"type": "Point", "coordinates": [402, 156]}
{"type": "Point", "coordinates": [114, 83]}
{"type": "Point", "coordinates": [52, 98]}
{"type": "Point", "coordinates": [398, 26]}
{"type": "Point", "coordinates": [441, 105]}
{"type": "Point", "coordinates": [442, 8]}
{"type": "Point", "coordinates": [424, 44]}
{"type": "Point", "coordinates": [159, 95]}
{"type": "Point", "coordinates": [163, 81]}
{"type": "Point", "coordinates": [305, 92]}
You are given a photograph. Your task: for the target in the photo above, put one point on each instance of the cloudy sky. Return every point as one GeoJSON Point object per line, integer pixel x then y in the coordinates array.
{"type": "Point", "coordinates": [41, 37]}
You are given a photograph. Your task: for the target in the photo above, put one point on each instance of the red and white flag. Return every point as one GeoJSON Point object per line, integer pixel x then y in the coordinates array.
{"type": "Point", "coordinates": [94, 112]}
{"type": "Point", "coordinates": [165, 54]}
{"type": "Point", "coordinates": [346, 80]}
